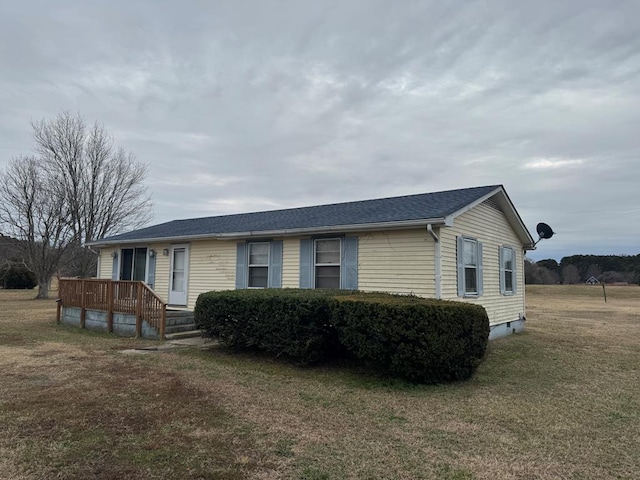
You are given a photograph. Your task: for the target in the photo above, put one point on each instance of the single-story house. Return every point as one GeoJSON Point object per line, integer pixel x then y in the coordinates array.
{"type": "Point", "coordinates": [466, 245]}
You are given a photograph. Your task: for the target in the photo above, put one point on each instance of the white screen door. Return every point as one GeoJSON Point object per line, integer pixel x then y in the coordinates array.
{"type": "Point", "coordinates": [178, 275]}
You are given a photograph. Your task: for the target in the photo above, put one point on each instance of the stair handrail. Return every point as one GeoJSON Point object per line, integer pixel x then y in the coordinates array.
{"type": "Point", "coordinates": [141, 300]}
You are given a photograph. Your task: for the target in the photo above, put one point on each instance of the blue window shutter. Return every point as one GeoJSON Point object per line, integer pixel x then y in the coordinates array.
{"type": "Point", "coordinates": [275, 264]}
{"type": "Point", "coordinates": [349, 271]}
{"type": "Point", "coordinates": [241, 265]}
{"type": "Point", "coordinates": [306, 261]}
{"type": "Point", "coordinates": [151, 276]}
{"type": "Point", "coordinates": [460, 260]}
{"type": "Point", "coordinates": [114, 267]}
{"type": "Point", "coordinates": [515, 271]}
{"type": "Point", "coordinates": [502, 272]}
{"type": "Point", "coordinates": [480, 270]}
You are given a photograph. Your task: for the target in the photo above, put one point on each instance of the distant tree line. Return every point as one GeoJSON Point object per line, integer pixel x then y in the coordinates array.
{"type": "Point", "coordinates": [579, 268]}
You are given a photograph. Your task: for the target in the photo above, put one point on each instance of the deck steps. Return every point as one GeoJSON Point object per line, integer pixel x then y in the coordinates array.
{"type": "Point", "coordinates": [179, 321]}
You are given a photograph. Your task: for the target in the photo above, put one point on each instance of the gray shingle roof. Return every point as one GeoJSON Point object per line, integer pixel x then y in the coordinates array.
{"type": "Point", "coordinates": [394, 209]}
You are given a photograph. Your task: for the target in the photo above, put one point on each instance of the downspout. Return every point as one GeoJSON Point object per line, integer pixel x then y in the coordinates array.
{"type": "Point", "coordinates": [438, 262]}
{"type": "Point", "coordinates": [524, 290]}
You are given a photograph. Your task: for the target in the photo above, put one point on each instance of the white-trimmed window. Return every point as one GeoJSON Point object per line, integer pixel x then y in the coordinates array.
{"type": "Point", "coordinates": [327, 256]}
{"type": "Point", "coordinates": [258, 265]}
{"type": "Point", "coordinates": [470, 271]}
{"type": "Point", "coordinates": [329, 262]}
{"type": "Point", "coordinates": [507, 271]}
{"type": "Point", "coordinates": [470, 267]}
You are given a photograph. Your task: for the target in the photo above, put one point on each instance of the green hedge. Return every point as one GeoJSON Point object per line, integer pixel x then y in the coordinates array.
{"type": "Point", "coordinates": [420, 340]}
{"type": "Point", "coordinates": [17, 277]}
{"type": "Point", "coordinates": [284, 322]}
{"type": "Point", "coordinates": [409, 337]}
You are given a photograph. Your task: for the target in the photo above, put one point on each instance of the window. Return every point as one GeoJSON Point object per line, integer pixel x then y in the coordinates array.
{"type": "Point", "coordinates": [258, 265]}
{"type": "Point", "coordinates": [507, 271]}
{"type": "Point", "coordinates": [470, 267]}
{"type": "Point", "coordinates": [327, 263]}
{"type": "Point", "coordinates": [133, 265]}
{"type": "Point", "coordinates": [470, 272]}
{"type": "Point", "coordinates": [178, 269]}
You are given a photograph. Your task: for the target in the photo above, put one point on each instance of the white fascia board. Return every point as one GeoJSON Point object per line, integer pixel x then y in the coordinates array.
{"type": "Point", "coordinates": [474, 204]}
{"type": "Point", "coordinates": [510, 211]}
{"type": "Point", "coordinates": [362, 227]}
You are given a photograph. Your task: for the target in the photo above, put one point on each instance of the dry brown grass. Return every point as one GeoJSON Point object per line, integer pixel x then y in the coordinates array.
{"type": "Point", "coordinates": [559, 401]}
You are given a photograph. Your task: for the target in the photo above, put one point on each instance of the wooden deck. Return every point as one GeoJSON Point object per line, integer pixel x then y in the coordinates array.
{"type": "Point", "coordinates": [114, 296]}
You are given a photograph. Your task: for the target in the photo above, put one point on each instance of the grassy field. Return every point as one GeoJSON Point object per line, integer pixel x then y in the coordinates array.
{"type": "Point", "coordinates": [561, 401]}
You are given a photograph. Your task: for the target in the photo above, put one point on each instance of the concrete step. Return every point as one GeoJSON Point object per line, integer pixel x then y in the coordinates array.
{"type": "Point", "coordinates": [179, 320]}
{"type": "Point", "coordinates": [177, 317]}
{"type": "Point", "coordinates": [184, 334]}
{"type": "Point", "coordinates": [184, 327]}
{"type": "Point", "coordinates": [179, 313]}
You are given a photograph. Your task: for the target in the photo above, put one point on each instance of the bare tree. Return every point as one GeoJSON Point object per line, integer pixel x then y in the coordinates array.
{"type": "Point", "coordinates": [34, 209]}
{"type": "Point", "coordinates": [593, 271]}
{"type": "Point", "coordinates": [80, 187]}
{"type": "Point", "coordinates": [534, 273]}
{"type": "Point", "coordinates": [104, 182]}
{"type": "Point", "coordinates": [570, 275]}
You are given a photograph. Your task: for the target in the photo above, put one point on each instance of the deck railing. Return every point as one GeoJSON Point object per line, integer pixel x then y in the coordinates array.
{"type": "Point", "coordinates": [114, 296]}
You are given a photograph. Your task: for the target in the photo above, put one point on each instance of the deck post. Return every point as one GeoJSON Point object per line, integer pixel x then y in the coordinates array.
{"type": "Point", "coordinates": [138, 286]}
{"type": "Point", "coordinates": [163, 321]}
{"type": "Point", "coordinates": [58, 309]}
{"type": "Point", "coordinates": [83, 310]}
{"type": "Point", "coordinates": [110, 293]}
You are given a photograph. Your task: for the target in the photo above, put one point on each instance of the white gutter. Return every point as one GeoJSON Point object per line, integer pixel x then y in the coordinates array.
{"type": "Point", "coordinates": [280, 233]}
{"type": "Point", "coordinates": [438, 261]}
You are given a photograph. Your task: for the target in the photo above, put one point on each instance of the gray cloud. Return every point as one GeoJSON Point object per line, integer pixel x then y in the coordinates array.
{"type": "Point", "coordinates": [241, 106]}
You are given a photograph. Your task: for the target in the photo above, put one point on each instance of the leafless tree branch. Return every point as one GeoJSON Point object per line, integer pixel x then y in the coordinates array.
{"type": "Point", "coordinates": [78, 188]}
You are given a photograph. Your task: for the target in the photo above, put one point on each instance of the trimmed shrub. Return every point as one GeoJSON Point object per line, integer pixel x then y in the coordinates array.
{"type": "Point", "coordinates": [17, 277]}
{"type": "Point", "coordinates": [413, 338]}
{"type": "Point", "coordinates": [420, 340]}
{"type": "Point", "coordinates": [283, 322]}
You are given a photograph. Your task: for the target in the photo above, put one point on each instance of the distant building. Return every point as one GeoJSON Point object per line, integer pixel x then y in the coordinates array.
{"type": "Point", "coordinates": [592, 281]}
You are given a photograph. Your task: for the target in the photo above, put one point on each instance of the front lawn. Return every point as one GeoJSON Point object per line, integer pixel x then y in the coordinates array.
{"type": "Point", "coordinates": [559, 401]}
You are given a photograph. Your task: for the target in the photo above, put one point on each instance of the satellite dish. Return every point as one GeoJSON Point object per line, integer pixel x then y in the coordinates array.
{"type": "Point", "coordinates": [544, 232]}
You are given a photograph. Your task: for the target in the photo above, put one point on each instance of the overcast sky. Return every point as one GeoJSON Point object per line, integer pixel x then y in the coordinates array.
{"type": "Point", "coordinates": [243, 106]}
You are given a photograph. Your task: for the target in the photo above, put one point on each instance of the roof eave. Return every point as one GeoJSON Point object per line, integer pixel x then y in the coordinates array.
{"type": "Point", "coordinates": [510, 211]}
{"type": "Point", "coordinates": [361, 227]}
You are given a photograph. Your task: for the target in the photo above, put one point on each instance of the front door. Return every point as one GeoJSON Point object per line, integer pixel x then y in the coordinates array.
{"type": "Point", "coordinates": [179, 274]}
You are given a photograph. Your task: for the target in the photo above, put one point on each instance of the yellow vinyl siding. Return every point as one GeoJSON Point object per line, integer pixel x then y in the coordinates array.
{"type": "Point", "coordinates": [291, 263]}
{"type": "Point", "coordinates": [489, 226]}
{"type": "Point", "coordinates": [212, 266]}
{"type": "Point", "coordinates": [106, 263]}
{"type": "Point", "coordinates": [161, 286]}
{"type": "Point", "coordinates": [397, 261]}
